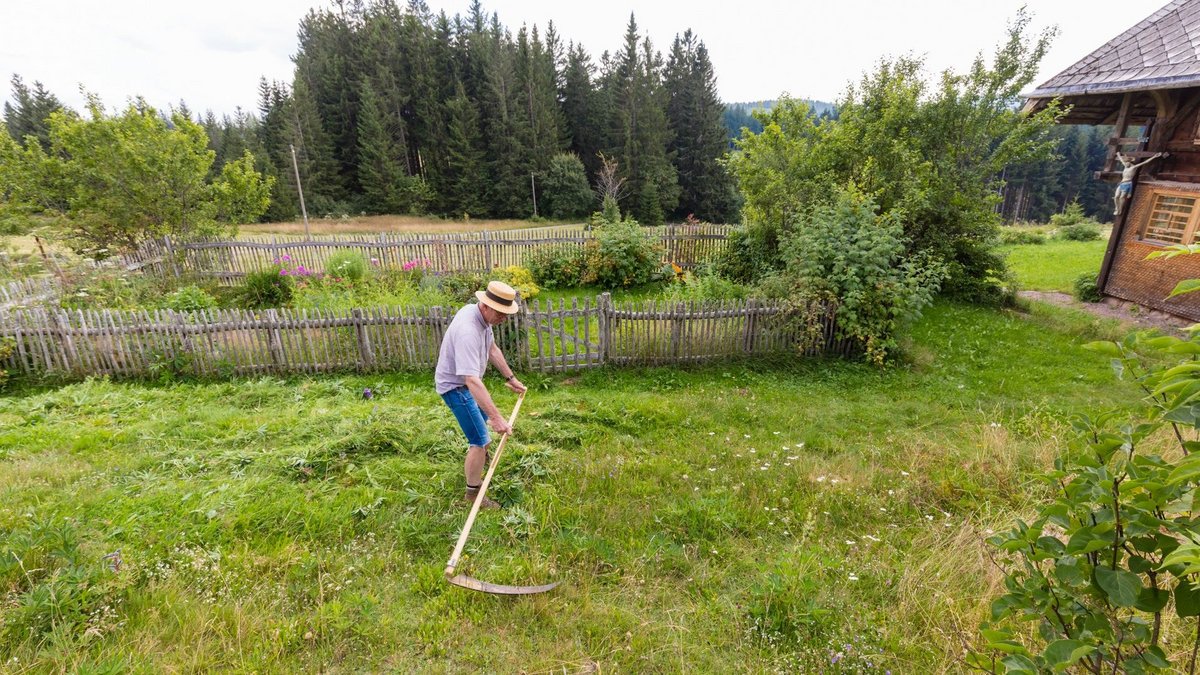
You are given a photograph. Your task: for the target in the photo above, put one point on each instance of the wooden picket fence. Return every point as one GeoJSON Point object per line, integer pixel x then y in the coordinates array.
{"type": "Point", "coordinates": [229, 260]}
{"type": "Point", "coordinates": [28, 292]}
{"type": "Point", "coordinates": [550, 337]}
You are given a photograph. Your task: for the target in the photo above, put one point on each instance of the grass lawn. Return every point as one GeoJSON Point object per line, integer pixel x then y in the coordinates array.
{"type": "Point", "coordinates": [730, 518]}
{"type": "Point", "coordinates": [1054, 265]}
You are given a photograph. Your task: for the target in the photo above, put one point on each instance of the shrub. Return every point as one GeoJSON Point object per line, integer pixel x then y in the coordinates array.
{"type": "Point", "coordinates": [1010, 236]}
{"type": "Point", "coordinates": [521, 279]}
{"type": "Point", "coordinates": [1073, 225]}
{"type": "Point", "coordinates": [558, 266]}
{"type": "Point", "coordinates": [625, 256]}
{"type": "Point", "coordinates": [461, 286]}
{"type": "Point", "coordinates": [271, 287]}
{"type": "Point", "coordinates": [749, 255]}
{"type": "Point", "coordinates": [704, 285]}
{"type": "Point", "coordinates": [108, 286]}
{"type": "Point", "coordinates": [848, 255]}
{"type": "Point", "coordinates": [1080, 232]}
{"type": "Point", "coordinates": [1086, 289]}
{"type": "Point", "coordinates": [7, 347]}
{"type": "Point", "coordinates": [347, 264]}
{"type": "Point", "coordinates": [1092, 579]}
{"type": "Point", "coordinates": [189, 299]}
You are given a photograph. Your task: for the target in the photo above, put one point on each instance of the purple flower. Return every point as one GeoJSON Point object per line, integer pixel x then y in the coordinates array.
{"type": "Point", "coordinates": [283, 273]}
{"type": "Point", "coordinates": [368, 394]}
{"type": "Point", "coordinates": [301, 270]}
{"type": "Point", "coordinates": [285, 257]}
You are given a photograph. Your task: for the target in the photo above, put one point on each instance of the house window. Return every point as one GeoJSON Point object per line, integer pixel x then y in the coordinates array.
{"type": "Point", "coordinates": [1172, 218]}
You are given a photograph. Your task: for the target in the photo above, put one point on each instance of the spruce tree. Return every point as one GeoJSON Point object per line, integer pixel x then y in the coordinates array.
{"type": "Point", "coordinates": [466, 173]}
{"type": "Point", "coordinates": [385, 185]}
{"type": "Point", "coordinates": [699, 140]}
{"type": "Point", "coordinates": [28, 114]}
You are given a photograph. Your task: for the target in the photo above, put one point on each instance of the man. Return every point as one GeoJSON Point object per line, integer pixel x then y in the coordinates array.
{"type": "Point", "coordinates": [467, 347]}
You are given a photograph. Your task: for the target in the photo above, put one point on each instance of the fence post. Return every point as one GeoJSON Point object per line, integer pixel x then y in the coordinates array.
{"type": "Point", "coordinates": [171, 255]}
{"type": "Point", "coordinates": [605, 304]}
{"type": "Point", "coordinates": [68, 342]}
{"type": "Point", "coordinates": [274, 341]}
{"type": "Point", "coordinates": [366, 358]}
{"type": "Point", "coordinates": [487, 251]}
{"type": "Point", "coordinates": [751, 326]}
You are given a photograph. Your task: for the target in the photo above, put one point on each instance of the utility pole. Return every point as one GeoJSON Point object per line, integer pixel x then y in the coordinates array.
{"type": "Point", "coordinates": [303, 211]}
{"type": "Point", "coordinates": [533, 189]}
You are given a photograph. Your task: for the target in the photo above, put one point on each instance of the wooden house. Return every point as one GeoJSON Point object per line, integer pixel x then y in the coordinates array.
{"type": "Point", "coordinates": [1145, 83]}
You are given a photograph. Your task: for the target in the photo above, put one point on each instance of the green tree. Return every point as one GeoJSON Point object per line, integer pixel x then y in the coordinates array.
{"type": "Point", "coordinates": [565, 192]}
{"type": "Point", "coordinates": [638, 129]}
{"type": "Point", "coordinates": [933, 155]}
{"type": "Point", "coordinates": [29, 113]}
{"type": "Point", "coordinates": [385, 185]}
{"type": "Point", "coordinates": [113, 181]}
{"type": "Point", "coordinates": [467, 175]}
{"type": "Point", "coordinates": [698, 135]}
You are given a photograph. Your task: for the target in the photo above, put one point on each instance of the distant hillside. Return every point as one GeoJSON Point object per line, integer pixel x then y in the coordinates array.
{"type": "Point", "coordinates": [737, 115]}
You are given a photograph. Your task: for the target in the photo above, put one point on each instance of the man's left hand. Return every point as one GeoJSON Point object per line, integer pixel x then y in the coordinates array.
{"type": "Point", "coordinates": [516, 386]}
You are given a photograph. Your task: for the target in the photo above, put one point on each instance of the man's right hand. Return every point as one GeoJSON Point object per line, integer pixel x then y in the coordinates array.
{"type": "Point", "coordinates": [500, 425]}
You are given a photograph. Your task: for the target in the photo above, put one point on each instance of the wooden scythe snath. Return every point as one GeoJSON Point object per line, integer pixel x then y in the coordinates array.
{"type": "Point", "coordinates": [475, 584]}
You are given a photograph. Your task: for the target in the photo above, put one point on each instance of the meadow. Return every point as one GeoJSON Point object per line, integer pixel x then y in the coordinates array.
{"type": "Point", "coordinates": [742, 517]}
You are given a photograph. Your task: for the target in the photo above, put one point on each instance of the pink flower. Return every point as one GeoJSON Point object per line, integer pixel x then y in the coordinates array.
{"type": "Point", "coordinates": [283, 273]}
{"type": "Point", "coordinates": [301, 270]}
{"type": "Point", "coordinates": [286, 258]}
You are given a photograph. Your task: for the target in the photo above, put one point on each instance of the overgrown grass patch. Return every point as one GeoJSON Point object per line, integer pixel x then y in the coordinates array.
{"type": "Point", "coordinates": [735, 517]}
{"type": "Point", "coordinates": [1054, 265]}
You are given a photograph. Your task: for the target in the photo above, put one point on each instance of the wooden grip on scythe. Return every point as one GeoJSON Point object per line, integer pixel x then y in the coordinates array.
{"type": "Point", "coordinates": [475, 584]}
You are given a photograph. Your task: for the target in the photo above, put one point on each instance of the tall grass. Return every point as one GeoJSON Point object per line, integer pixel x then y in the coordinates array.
{"type": "Point", "coordinates": [794, 516]}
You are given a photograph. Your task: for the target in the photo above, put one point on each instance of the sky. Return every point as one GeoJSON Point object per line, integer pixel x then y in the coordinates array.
{"type": "Point", "coordinates": [211, 54]}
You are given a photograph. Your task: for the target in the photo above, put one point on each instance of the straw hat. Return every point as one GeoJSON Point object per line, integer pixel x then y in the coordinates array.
{"type": "Point", "coordinates": [500, 297]}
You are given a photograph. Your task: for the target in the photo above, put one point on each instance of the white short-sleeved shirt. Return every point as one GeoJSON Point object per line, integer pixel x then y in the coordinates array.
{"type": "Point", "coordinates": [464, 351]}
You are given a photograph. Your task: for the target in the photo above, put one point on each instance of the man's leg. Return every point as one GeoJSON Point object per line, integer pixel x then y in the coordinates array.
{"type": "Point", "coordinates": [474, 467]}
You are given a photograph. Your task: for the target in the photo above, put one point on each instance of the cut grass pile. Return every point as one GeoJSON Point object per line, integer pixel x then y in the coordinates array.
{"type": "Point", "coordinates": [764, 517]}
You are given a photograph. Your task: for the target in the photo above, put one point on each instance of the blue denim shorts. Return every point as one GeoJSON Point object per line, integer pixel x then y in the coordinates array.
{"type": "Point", "coordinates": [468, 414]}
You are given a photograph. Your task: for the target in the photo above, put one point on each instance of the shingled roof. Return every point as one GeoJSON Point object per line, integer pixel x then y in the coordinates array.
{"type": "Point", "coordinates": [1160, 52]}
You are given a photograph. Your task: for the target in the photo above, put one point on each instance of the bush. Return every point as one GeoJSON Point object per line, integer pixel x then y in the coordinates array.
{"type": "Point", "coordinates": [1080, 232]}
{"type": "Point", "coordinates": [749, 255]}
{"type": "Point", "coordinates": [1073, 225]}
{"type": "Point", "coordinates": [626, 256]}
{"type": "Point", "coordinates": [189, 299]}
{"type": "Point", "coordinates": [559, 266]}
{"type": "Point", "coordinates": [347, 264]}
{"type": "Point", "coordinates": [705, 285]}
{"type": "Point", "coordinates": [461, 286]}
{"type": "Point", "coordinates": [521, 279]}
{"type": "Point", "coordinates": [1010, 236]}
{"type": "Point", "coordinates": [270, 287]}
{"type": "Point", "coordinates": [7, 347]}
{"type": "Point", "coordinates": [1086, 289]}
{"type": "Point", "coordinates": [848, 255]}
{"type": "Point", "coordinates": [1103, 577]}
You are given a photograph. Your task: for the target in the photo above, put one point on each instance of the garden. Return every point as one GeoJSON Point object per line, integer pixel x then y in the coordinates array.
{"type": "Point", "coordinates": [261, 477]}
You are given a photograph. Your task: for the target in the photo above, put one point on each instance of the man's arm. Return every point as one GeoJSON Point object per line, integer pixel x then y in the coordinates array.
{"type": "Point", "coordinates": [480, 393]}
{"type": "Point", "coordinates": [497, 358]}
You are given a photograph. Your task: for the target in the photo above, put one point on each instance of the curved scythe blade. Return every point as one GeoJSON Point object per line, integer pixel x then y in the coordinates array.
{"type": "Point", "coordinates": [498, 589]}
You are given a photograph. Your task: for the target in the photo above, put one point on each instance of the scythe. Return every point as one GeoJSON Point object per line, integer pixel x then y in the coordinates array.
{"type": "Point", "coordinates": [475, 584]}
